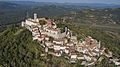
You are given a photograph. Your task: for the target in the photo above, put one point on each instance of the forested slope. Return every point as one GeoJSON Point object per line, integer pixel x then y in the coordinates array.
{"type": "Point", "coordinates": [17, 49]}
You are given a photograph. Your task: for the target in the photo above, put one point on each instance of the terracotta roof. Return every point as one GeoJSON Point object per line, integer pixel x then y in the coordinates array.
{"type": "Point", "coordinates": [57, 51]}
{"type": "Point", "coordinates": [40, 37]}
{"type": "Point", "coordinates": [35, 30]}
{"type": "Point", "coordinates": [92, 46]}
{"type": "Point", "coordinates": [72, 49]}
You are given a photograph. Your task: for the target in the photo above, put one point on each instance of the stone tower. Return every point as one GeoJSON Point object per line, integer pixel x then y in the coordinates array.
{"type": "Point", "coordinates": [35, 16]}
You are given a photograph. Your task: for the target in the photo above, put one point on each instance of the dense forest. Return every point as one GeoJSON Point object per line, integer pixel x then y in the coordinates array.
{"type": "Point", "coordinates": [17, 49]}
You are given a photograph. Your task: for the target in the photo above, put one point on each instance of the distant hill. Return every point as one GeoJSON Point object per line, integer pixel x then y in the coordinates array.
{"type": "Point", "coordinates": [7, 5]}
{"type": "Point", "coordinates": [94, 5]}
{"type": "Point", "coordinates": [94, 16]}
{"type": "Point", "coordinates": [15, 11]}
{"type": "Point", "coordinates": [11, 12]}
{"type": "Point", "coordinates": [25, 3]}
{"type": "Point", "coordinates": [75, 5]}
{"type": "Point", "coordinates": [68, 5]}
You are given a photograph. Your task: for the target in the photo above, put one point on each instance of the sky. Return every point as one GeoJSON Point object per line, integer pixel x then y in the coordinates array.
{"type": "Point", "coordinates": [76, 1]}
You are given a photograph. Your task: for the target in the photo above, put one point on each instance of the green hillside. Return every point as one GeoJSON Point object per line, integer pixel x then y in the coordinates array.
{"type": "Point", "coordinates": [17, 49]}
{"type": "Point", "coordinates": [94, 16]}
{"type": "Point", "coordinates": [109, 37]}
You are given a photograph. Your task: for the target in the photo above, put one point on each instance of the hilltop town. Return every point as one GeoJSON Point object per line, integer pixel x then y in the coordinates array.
{"type": "Point", "coordinates": [59, 42]}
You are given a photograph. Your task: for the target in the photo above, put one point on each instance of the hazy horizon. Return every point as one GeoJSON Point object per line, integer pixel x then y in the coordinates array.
{"type": "Point", "coordinates": [74, 1]}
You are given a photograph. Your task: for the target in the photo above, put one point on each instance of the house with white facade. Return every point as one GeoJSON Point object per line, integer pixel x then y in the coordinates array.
{"type": "Point", "coordinates": [44, 30]}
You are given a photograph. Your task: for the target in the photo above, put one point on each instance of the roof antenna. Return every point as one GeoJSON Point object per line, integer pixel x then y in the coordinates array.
{"type": "Point", "coordinates": [27, 15]}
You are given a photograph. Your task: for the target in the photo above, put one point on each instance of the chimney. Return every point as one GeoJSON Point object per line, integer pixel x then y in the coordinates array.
{"type": "Point", "coordinates": [35, 16]}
